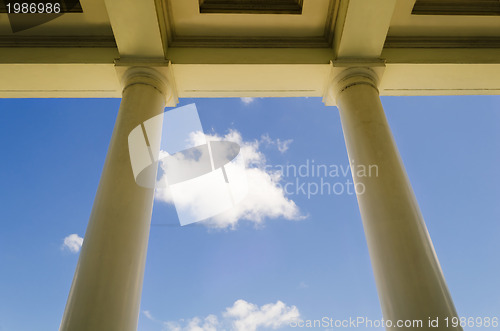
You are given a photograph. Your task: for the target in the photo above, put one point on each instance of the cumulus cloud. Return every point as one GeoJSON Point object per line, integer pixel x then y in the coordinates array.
{"type": "Point", "coordinates": [73, 243]}
{"type": "Point", "coordinates": [245, 316]}
{"type": "Point", "coordinates": [241, 316]}
{"type": "Point", "coordinates": [265, 198]}
{"type": "Point", "coordinates": [209, 323]}
{"type": "Point", "coordinates": [247, 100]}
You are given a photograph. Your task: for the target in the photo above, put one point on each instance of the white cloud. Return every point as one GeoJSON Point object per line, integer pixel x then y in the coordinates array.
{"type": "Point", "coordinates": [209, 323]}
{"type": "Point", "coordinates": [282, 145]}
{"type": "Point", "coordinates": [265, 198]}
{"type": "Point", "coordinates": [248, 317]}
{"type": "Point", "coordinates": [73, 243]}
{"type": "Point", "coordinates": [247, 100]}
{"type": "Point", "coordinates": [148, 315]}
{"type": "Point", "coordinates": [303, 285]}
{"type": "Point", "coordinates": [242, 316]}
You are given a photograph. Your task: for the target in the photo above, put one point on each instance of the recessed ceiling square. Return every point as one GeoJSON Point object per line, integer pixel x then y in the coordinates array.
{"type": "Point", "coordinates": [251, 6]}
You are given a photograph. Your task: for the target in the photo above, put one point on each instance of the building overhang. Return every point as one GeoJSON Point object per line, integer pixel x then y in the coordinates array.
{"type": "Point", "coordinates": [251, 54]}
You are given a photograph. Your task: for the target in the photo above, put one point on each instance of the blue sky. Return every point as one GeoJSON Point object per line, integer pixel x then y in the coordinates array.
{"type": "Point", "coordinates": [53, 151]}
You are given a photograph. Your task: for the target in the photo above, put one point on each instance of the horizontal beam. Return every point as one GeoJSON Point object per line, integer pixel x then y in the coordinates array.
{"type": "Point", "coordinates": [91, 73]}
{"type": "Point", "coordinates": [441, 42]}
{"type": "Point", "coordinates": [445, 55]}
{"type": "Point", "coordinates": [54, 55]}
{"type": "Point", "coordinates": [249, 55]}
{"type": "Point", "coordinates": [440, 79]}
{"type": "Point", "coordinates": [58, 41]}
{"type": "Point", "coordinates": [59, 81]}
{"type": "Point", "coordinates": [250, 80]}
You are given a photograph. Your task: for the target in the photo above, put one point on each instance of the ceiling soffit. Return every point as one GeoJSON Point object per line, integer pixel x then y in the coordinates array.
{"type": "Point", "coordinates": [183, 23]}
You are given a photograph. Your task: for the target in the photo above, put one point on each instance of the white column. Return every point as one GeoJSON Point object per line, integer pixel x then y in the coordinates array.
{"type": "Point", "coordinates": [106, 290]}
{"type": "Point", "coordinates": [409, 279]}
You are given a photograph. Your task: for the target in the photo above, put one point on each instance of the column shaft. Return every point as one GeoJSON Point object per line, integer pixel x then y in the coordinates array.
{"type": "Point", "coordinates": [106, 289]}
{"type": "Point", "coordinates": [408, 276]}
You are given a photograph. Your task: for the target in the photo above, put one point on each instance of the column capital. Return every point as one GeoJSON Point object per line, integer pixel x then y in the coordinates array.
{"type": "Point", "coordinates": [158, 75]}
{"type": "Point", "coordinates": [345, 75]}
